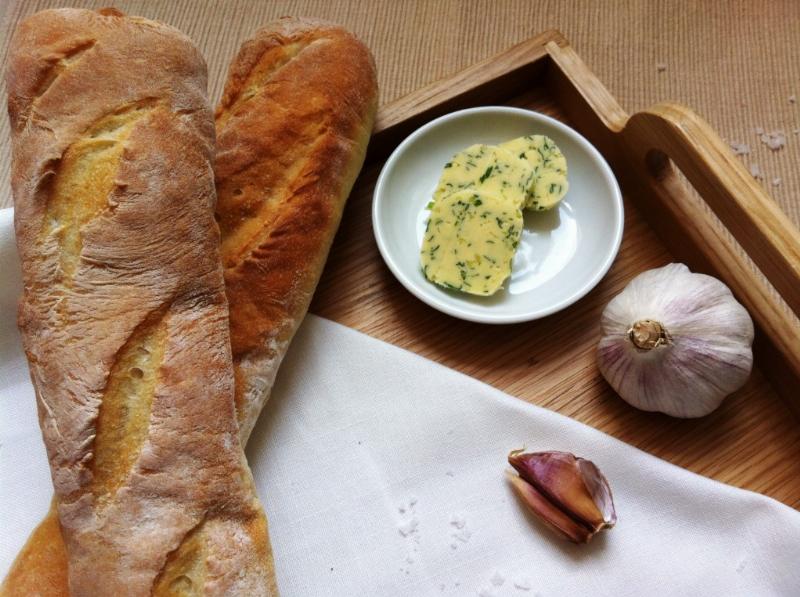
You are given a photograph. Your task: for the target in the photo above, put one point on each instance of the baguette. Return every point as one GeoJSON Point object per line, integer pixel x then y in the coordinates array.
{"type": "Point", "coordinates": [123, 314]}
{"type": "Point", "coordinates": [41, 565]}
{"type": "Point", "coordinates": [292, 131]}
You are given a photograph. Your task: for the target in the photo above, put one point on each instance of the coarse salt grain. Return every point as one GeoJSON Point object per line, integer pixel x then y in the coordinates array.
{"type": "Point", "coordinates": [408, 527]}
{"type": "Point", "coordinates": [661, 67]}
{"type": "Point", "coordinates": [759, 130]}
{"type": "Point", "coordinates": [485, 592]}
{"type": "Point", "coordinates": [740, 148]}
{"type": "Point", "coordinates": [755, 171]}
{"type": "Point", "coordinates": [497, 579]}
{"type": "Point", "coordinates": [522, 583]}
{"type": "Point", "coordinates": [792, 99]}
{"type": "Point", "coordinates": [463, 535]}
{"type": "Point", "coordinates": [774, 140]}
{"type": "Point", "coordinates": [458, 521]}
{"type": "Point", "coordinates": [776, 182]}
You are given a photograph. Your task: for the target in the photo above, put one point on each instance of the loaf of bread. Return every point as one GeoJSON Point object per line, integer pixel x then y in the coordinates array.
{"type": "Point", "coordinates": [345, 77]}
{"type": "Point", "coordinates": [292, 131]}
{"type": "Point", "coordinates": [123, 316]}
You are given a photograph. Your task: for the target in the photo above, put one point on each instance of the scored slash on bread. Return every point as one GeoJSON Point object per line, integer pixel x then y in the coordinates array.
{"type": "Point", "coordinates": [292, 131]}
{"type": "Point", "coordinates": [123, 315]}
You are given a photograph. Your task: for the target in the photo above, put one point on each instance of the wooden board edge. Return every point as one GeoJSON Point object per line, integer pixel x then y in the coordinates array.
{"type": "Point", "coordinates": [493, 80]}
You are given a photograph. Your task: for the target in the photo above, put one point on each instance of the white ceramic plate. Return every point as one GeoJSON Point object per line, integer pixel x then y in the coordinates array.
{"type": "Point", "coordinates": [562, 254]}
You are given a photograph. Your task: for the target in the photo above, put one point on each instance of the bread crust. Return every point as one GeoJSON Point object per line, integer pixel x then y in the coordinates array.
{"type": "Point", "coordinates": [292, 130]}
{"type": "Point", "coordinates": [40, 566]}
{"type": "Point", "coordinates": [123, 314]}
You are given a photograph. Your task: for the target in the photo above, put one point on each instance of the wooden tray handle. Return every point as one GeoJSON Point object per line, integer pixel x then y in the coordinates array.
{"type": "Point", "coordinates": [749, 214]}
{"type": "Point", "coordinates": [752, 217]}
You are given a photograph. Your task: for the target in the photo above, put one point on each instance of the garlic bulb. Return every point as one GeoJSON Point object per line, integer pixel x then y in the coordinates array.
{"type": "Point", "coordinates": [675, 342]}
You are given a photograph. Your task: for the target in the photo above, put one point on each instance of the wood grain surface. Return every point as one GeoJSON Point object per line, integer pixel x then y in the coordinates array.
{"type": "Point", "coordinates": [736, 65]}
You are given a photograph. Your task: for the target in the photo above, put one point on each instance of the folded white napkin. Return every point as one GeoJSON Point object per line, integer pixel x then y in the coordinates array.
{"type": "Point", "coordinates": [383, 474]}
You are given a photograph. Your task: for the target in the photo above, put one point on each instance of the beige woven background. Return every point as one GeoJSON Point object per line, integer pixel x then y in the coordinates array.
{"type": "Point", "coordinates": [735, 62]}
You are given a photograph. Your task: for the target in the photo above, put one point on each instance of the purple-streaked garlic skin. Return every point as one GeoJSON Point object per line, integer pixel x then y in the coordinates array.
{"type": "Point", "coordinates": [600, 491]}
{"type": "Point", "coordinates": [549, 514]}
{"type": "Point", "coordinates": [570, 494]}
{"type": "Point", "coordinates": [705, 353]}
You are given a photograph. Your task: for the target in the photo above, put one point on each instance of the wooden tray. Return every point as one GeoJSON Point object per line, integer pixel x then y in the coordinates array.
{"type": "Point", "coordinates": [753, 440]}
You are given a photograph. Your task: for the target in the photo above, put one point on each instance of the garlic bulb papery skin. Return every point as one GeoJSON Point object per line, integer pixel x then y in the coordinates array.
{"type": "Point", "coordinates": [675, 342]}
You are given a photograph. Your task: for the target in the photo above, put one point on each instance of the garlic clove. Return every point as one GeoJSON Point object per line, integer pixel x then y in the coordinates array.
{"type": "Point", "coordinates": [548, 513]}
{"type": "Point", "coordinates": [570, 494]}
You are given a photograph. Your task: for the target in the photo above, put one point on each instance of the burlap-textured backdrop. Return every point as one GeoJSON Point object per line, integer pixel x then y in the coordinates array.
{"type": "Point", "coordinates": [734, 62]}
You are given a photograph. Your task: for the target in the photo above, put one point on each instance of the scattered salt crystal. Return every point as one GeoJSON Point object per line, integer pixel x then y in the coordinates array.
{"type": "Point", "coordinates": [796, 131]}
{"type": "Point", "coordinates": [523, 583]}
{"type": "Point", "coordinates": [485, 592]}
{"type": "Point", "coordinates": [453, 546]}
{"type": "Point", "coordinates": [792, 99]}
{"type": "Point", "coordinates": [661, 67]}
{"type": "Point", "coordinates": [759, 130]}
{"type": "Point", "coordinates": [442, 586]}
{"type": "Point", "coordinates": [740, 148]}
{"type": "Point", "coordinates": [497, 579]}
{"type": "Point", "coordinates": [450, 474]}
{"type": "Point", "coordinates": [755, 171]}
{"type": "Point", "coordinates": [463, 535]}
{"type": "Point", "coordinates": [409, 560]}
{"type": "Point", "coordinates": [458, 521]}
{"type": "Point", "coordinates": [776, 182]}
{"type": "Point", "coordinates": [774, 140]}
{"type": "Point", "coordinates": [408, 506]}
{"type": "Point", "coordinates": [408, 527]}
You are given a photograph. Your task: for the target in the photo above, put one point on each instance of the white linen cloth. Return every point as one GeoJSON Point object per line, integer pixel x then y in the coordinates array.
{"type": "Point", "coordinates": [383, 474]}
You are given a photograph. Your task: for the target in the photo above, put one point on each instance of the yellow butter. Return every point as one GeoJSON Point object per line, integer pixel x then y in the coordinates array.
{"type": "Point", "coordinates": [489, 169]}
{"type": "Point", "coordinates": [549, 185]}
{"type": "Point", "coordinates": [470, 240]}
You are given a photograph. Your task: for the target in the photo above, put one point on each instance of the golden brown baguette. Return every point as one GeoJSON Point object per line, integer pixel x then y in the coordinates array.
{"type": "Point", "coordinates": [41, 565]}
{"type": "Point", "coordinates": [123, 314]}
{"type": "Point", "coordinates": [292, 131]}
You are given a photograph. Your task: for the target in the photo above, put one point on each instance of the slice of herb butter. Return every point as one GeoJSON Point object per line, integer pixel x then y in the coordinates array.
{"type": "Point", "coordinates": [470, 240]}
{"type": "Point", "coordinates": [550, 167]}
{"type": "Point", "coordinates": [486, 168]}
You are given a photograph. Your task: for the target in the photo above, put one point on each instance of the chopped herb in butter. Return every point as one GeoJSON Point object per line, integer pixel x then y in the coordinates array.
{"type": "Point", "coordinates": [549, 184]}
{"type": "Point", "coordinates": [489, 169]}
{"type": "Point", "coordinates": [470, 241]}
{"type": "Point", "coordinates": [475, 220]}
